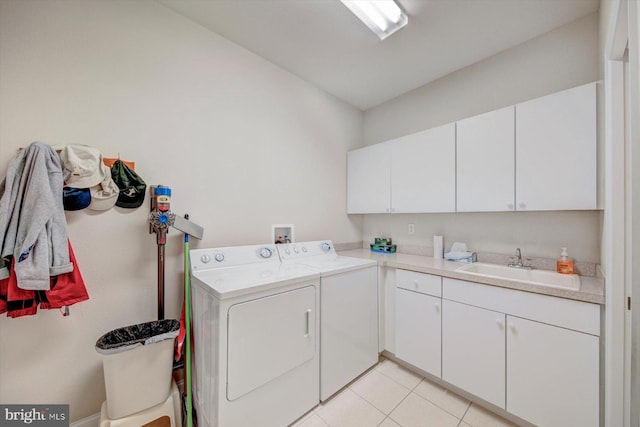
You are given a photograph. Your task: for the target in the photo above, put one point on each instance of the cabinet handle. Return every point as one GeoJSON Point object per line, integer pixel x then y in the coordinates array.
{"type": "Point", "coordinates": [308, 316]}
{"type": "Point", "coordinates": [522, 204]}
{"type": "Point", "coordinates": [393, 210]}
{"type": "Point", "coordinates": [500, 323]}
{"type": "Point", "coordinates": [387, 210]}
{"type": "Point", "coordinates": [512, 326]}
{"type": "Point", "coordinates": [437, 306]}
{"type": "Point", "coordinates": [415, 284]}
{"type": "Point", "coordinates": [510, 205]}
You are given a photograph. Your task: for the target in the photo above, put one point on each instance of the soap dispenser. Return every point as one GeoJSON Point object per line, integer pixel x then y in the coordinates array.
{"type": "Point", "coordinates": [564, 264]}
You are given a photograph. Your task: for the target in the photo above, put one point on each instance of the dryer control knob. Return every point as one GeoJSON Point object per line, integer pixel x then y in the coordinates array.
{"type": "Point", "coordinates": [304, 249]}
{"type": "Point", "coordinates": [326, 247]}
{"type": "Point", "coordinates": [295, 249]}
{"type": "Point", "coordinates": [265, 253]}
{"type": "Point", "coordinates": [287, 251]}
{"type": "Point", "coordinates": [219, 257]}
{"type": "Point", "coordinates": [205, 258]}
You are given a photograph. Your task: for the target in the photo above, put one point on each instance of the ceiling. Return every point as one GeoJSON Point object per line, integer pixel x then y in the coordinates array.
{"type": "Point", "coordinates": [324, 44]}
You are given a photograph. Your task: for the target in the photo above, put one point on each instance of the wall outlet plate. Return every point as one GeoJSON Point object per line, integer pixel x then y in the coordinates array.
{"type": "Point", "coordinates": [412, 229]}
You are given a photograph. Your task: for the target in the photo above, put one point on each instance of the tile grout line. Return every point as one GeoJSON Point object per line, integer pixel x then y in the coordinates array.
{"type": "Point", "coordinates": [397, 382]}
{"type": "Point", "coordinates": [371, 403]}
{"type": "Point", "coordinates": [323, 420]}
{"type": "Point", "coordinates": [365, 400]}
{"type": "Point", "coordinates": [424, 398]}
{"type": "Point", "coordinates": [384, 419]}
{"type": "Point", "coordinates": [395, 407]}
{"type": "Point", "coordinates": [412, 391]}
{"type": "Point", "coordinates": [441, 408]}
{"type": "Point", "coordinates": [465, 414]}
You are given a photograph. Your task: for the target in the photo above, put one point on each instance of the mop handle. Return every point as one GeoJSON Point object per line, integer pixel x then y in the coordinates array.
{"type": "Point", "coordinates": [187, 299]}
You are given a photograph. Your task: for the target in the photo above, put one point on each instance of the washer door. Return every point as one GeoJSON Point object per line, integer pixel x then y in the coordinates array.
{"type": "Point", "coordinates": [268, 337]}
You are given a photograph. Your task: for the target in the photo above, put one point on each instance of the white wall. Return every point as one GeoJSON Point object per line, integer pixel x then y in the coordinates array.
{"type": "Point", "coordinates": [242, 143]}
{"type": "Point", "coordinates": [538, 234]}
{"type": "Point", "coordinates": [561, 59]}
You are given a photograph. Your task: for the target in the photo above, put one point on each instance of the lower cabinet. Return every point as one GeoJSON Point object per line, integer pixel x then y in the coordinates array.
{"type": "Point", "coordinates": [535, 356]}
{"type": "Point", "coordinates": [552, 374]}
{"type": "Point", "coordinates": [418, 327]}
{"type": "Point", "coordinates": [473, 350]}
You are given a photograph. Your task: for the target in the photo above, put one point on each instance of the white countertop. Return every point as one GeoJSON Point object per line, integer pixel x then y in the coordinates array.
{"type": "Point", "coordinates": [591, 288]}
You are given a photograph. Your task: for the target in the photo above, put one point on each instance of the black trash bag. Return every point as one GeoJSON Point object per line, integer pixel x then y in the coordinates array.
{"type": "Point", "coordinates": [130, 337]}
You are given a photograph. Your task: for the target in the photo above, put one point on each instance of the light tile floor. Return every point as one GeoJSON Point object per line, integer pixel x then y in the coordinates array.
{"type": "Point", "coordinates": [392, 396]}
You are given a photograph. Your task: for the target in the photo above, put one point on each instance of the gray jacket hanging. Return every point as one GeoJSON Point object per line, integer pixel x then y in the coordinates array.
{"type": "Point", "coordinates": [33, 228]}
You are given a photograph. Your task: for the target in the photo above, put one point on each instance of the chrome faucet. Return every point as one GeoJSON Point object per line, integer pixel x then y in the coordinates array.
{"type": "Point", "coordinates": [516, 262]}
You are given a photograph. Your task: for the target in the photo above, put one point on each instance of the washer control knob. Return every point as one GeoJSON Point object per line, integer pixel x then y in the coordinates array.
{"type": "Point", "coordinates": [205, 258]}
{"type": "Point", "coordinates": [295, 249]}
{"type": "Point", "coordinates": [265, 253]}
{"type": "Point", "coordinates": [219, 257]}
{"type": "Point", "coordinates": [304, 249]}
{"type": "Point", "coordinates": [326, 247]}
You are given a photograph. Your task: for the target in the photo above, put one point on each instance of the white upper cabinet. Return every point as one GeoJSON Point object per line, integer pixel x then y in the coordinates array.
{"type": "Point", "coordinates": [556, 151]}
{"type": "Point", "coordinates": [535, 156]}
{"type": "Point", "coordinates": [423, 171]}
{"type": "Point", "coordinates": [486, 161]}
{"type": "Point", "coordinates": [369, 179]}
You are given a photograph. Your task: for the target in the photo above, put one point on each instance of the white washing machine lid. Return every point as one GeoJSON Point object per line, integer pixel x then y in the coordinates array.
{"type": "Point", "coordinates": [335, 264]}
{"type": "Point", "coordinates": [234, 281]}
{"type": "Point", "coordinates": [320, 255]}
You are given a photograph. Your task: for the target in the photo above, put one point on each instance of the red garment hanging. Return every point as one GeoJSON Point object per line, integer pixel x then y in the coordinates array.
{"type": "Point", "coordinates": [65, 290]}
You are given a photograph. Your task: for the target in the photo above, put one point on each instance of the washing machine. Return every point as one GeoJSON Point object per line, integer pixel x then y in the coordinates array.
{"type": "Point", "coordinates": [348, 311]}
{"type": "Point", "coordinates": [256, 338]}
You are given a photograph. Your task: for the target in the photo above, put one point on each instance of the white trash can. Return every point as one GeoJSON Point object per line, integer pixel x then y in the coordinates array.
{"type": "Point", "coordinates": [138, 364]}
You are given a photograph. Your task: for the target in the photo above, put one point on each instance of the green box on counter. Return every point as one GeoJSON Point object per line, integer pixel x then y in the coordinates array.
{"type": "Point", "coordinates": [382, 241]}
{"type": "Point", "coordinates": [387, 249]}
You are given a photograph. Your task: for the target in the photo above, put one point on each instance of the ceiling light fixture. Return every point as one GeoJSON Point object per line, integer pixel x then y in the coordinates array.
{"type": "Point", "coordinates": [383, 17]}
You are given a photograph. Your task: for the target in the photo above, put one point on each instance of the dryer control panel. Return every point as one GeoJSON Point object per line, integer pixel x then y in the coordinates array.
{"type": "Point", "coordinates": [292, 251]}
{"type": "Point", "coordinates": [207, 259]}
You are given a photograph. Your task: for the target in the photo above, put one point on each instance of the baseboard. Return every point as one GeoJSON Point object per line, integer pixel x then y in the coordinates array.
{"type": "Point", "coordinates": [90, 421]}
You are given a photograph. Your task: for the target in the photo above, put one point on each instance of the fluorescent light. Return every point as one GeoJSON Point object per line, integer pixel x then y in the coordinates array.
{"type": "Point", "coordinates": [372, 13]}
{"type": "Point", "coordinates": [390, 10]}
{"type": "Point", "coordinates": [383, 17]}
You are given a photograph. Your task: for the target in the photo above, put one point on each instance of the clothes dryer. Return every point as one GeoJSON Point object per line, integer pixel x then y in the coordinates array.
{"type": "Point", "coordinates": [255, 324]}
{"type": "Point", "coordinates": [348, 311]}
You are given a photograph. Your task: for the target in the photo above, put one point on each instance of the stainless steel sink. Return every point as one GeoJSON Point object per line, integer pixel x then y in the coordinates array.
{"type": "Point", "coordinates": [534, 277]}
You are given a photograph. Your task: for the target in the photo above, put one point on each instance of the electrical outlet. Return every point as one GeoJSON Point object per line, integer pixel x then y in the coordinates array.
{"type": "Point", "coordinates": [412, 229]}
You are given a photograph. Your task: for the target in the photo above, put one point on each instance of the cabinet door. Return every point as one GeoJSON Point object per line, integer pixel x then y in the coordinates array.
{"type": "Point", "coordinates": [552, 374]}
{"type": "Point", "coordinates": [485, 162]}
{"type": "Point", "coordinates": [369, 179]}
{"type": "Point", "coordinates": [423, 171]}
{"type": "Point", "coordinates": [418, 330]}
{"type": "Point", "coordinates": [556, 151]}
{"type": "Point", "coordinates": [473, 350]}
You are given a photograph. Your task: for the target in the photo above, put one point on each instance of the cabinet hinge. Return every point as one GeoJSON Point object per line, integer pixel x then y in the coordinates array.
{"type": "Point", "coordinates": [628, 303]}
